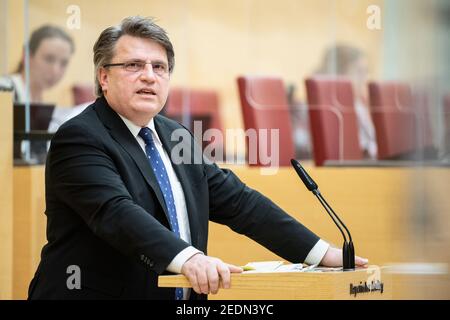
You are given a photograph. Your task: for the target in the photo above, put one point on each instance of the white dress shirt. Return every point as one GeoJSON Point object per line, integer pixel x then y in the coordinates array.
{"type": "Point", "coordinates": [314, 257]}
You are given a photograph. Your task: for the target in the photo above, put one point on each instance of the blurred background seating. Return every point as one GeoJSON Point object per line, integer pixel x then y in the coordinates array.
{"type": "Point", "coordinates": [333, 122]}
{"type": "Point", "coordinates": [83, 93]}
{"type": "Point", "coordinates": [401, 121]}
{"type": "Point", "coordinates": [264, 106]}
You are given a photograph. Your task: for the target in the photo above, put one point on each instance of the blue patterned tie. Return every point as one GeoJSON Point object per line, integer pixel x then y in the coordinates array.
{"type": "Point", "coordinates": [164, 184]}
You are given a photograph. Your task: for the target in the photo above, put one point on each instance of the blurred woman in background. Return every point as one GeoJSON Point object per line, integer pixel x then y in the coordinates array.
{"type": "Point", "coordinates": [343, 60]}
{"type": "Point", "coordinates": [50, 51]}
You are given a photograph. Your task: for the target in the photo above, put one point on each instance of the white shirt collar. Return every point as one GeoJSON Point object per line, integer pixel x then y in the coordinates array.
{"type": "Point", "coordinates": [135, 129]}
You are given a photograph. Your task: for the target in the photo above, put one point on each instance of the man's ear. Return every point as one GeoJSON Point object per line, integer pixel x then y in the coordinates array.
{"type": "Point", "coordinates": [102, 76]}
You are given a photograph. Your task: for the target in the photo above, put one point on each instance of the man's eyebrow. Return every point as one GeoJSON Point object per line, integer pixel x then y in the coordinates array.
{"type": "Point", "coordinates": [160, 61]}
{"type": "Point", "coordinates": [142, 60]}
{"type": "Point", "coordinates": [134, 60]}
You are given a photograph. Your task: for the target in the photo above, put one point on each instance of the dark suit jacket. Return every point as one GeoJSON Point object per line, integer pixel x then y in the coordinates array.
{"type": "Point", "coordinates": [106, 214]}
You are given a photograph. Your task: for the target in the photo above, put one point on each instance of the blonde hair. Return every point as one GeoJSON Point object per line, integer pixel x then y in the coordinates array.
{"type": "Point", "coordinates": [338, 59]}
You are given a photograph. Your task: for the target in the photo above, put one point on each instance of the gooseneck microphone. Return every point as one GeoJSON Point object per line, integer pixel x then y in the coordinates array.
{"type": "Point", "coordinates": [348, 250]}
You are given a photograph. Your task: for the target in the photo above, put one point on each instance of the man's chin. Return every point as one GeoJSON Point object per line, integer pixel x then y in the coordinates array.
{"type": "Point", "coordinates": [150, 108]}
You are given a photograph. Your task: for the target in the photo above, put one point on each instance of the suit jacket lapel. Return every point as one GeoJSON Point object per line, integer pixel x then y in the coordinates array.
{"type": "Point", "coordinates": [123, 136]}
{"type": "Point", "coordinates": [164, 133]}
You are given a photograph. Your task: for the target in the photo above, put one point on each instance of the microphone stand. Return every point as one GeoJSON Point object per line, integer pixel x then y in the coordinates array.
{"type": "Point", "coordinates": [348, 250]}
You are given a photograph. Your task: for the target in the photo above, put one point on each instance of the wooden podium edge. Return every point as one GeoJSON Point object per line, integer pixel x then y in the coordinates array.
{"type": "Point", "coordinates": [276, 280]}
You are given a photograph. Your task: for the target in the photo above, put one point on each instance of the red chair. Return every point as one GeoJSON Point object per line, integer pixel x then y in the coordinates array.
{"type": "Point", "coordinates": [447, 104]}
{"type": "Point", "coordinates": [447, 123]}
{"type": "Point", "coordinates": [83, 93]}
{"type": "Point", "coordinates": [265, 106]}
{"type": "Point", "coordinates": [191, 105]}
{"type": "Point", "coordinates": [401, 121]}
{"type": "Point", "coordinates": [333, 121]}
{"type": "Point", "coordinates": [195, 102]}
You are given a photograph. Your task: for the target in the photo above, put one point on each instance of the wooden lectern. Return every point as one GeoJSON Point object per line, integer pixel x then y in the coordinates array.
{"type": "Point", "coordinates": [371, 283]}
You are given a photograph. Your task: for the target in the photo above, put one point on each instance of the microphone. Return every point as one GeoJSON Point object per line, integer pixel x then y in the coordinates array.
{"type": "Point", "coordinates": [348, 250]}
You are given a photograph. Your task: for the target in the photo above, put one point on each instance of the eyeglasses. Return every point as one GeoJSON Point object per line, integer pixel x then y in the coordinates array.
{"type": "Point", "coordinates": [159, 68]}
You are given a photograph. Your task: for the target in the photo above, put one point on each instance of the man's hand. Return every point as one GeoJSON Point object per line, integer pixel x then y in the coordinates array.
{"type": "Point", "coordinates": [333, 258]}
{"type": "Point", "coordinates": [205, 273]}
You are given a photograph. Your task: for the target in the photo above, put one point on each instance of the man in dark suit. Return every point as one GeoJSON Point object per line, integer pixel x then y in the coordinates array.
{"type": "Point", "coordinates": [121, 211]}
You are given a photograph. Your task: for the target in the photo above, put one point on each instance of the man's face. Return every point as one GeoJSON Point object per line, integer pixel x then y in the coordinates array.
{"type": "Point", "coordinates": [136, 95]}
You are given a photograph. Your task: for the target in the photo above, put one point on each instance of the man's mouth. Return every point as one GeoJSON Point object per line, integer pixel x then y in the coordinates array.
{"type": "Point", "coordinates": [146, 92]}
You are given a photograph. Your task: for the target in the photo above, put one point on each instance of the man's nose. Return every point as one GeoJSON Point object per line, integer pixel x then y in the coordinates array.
{"type": "Point", "coordinates": [147, 74]}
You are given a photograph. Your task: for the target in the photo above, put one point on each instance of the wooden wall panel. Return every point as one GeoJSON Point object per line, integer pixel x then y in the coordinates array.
{"type": "Point", "coordinates": [29, 225]}
{"type": "Point", "coordinates": [6, 195]}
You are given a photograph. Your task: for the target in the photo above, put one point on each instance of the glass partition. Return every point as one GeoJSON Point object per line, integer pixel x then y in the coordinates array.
{"type": "Point", "coordinates": [355, 83]}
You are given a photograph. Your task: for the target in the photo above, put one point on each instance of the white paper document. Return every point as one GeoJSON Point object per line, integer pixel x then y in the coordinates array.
{"type": "Point", "coordinates": [279, 266]}
{"type": "Point", "coordinates": [271, 266]}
